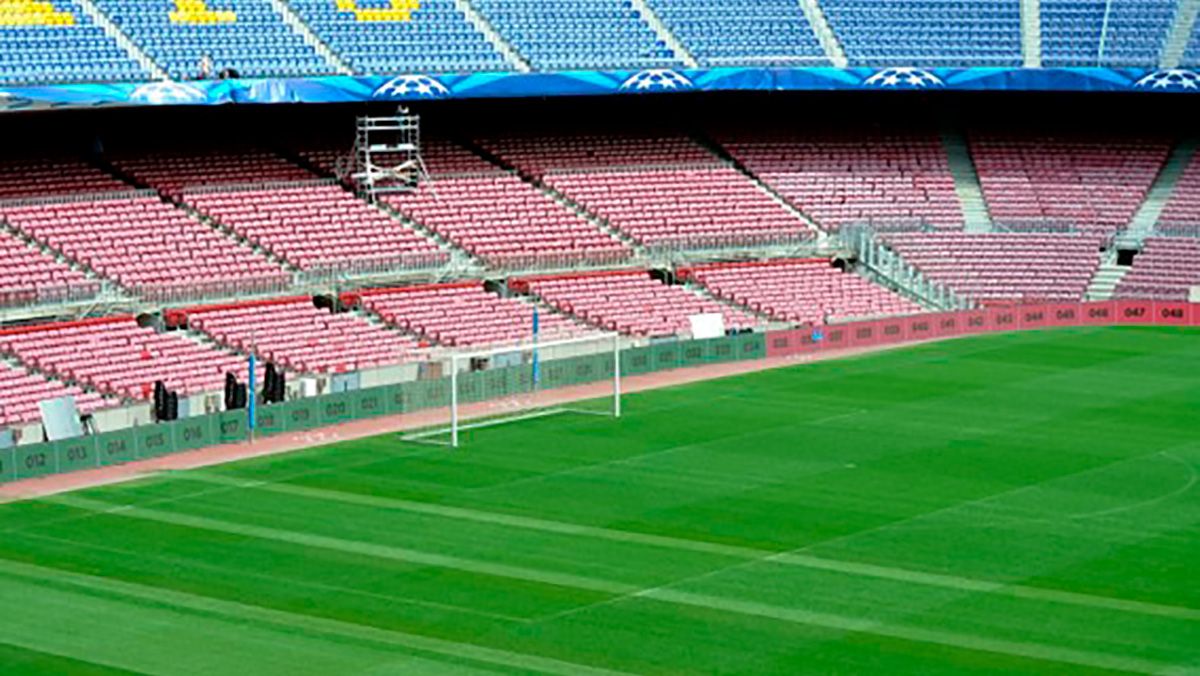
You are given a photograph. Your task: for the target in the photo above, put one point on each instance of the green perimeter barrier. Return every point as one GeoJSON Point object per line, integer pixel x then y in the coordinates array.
{"type": "Point", "coordinates": [751, 346]}
{"type": "Point", "coordinates": [8, 464]}
{"type": "Point", "coordinates": [301, 414]}
{"type": "Point", "coordinates": [116, 447]}
{"type": "Point", "coordinates": [636, 360]}
{"type": "Point", "coordinates": [34, 461]}
{"type": "Point", "coordinates": [393, 398]}
{"type": "Point", "coordinates": [77, 454]}
{"type": "Point", "coordinates": [335, 408]}
{"type": "Point", "coordinates": [269, 419]}
{"type": "Point", "coordinates": [150, 441]}
{"type": "Point", "coordinates": [694, 353]}
{"type": "Point", "coordinates": [368, 403]}
{"type": "Point", "coordinates": [665, 356]}
{"type": "Point", "coordinates": [232, 426]}
{"type": "Point", "coordinates": [195, 432]}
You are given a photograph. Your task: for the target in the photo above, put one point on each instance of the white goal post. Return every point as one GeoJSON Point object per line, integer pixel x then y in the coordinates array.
{"type": "Point", "coordinates": [504, 384]}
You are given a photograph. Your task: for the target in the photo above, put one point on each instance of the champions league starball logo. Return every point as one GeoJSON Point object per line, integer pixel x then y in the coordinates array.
{"type": "Point", "coordinates": [1174, 80]}
{"type": "Point", "coordinates": [167, 92]}
{"type": "Point", "coordinates": [903, 78]}
{"type": "Point", "coordinates": [657, 80]}
{"type": "Point", "coordinates": [412, 87]}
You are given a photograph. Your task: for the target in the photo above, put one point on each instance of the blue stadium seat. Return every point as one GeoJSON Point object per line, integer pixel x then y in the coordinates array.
{"type": "Point", "coordinates": [59, 45]}
{"type": "Point", "coordinates": [928, 32]}
{"type": "Point", "coordinates": [436, 38]}
{"type": "Point", "coordinates": [1133, 35]}
{"type": "Point", "coordinates": [764, 32]}
{"type": "Point", "coordinates": [581, 34]}
{"type": "Point", "coordinates": [245, 35]}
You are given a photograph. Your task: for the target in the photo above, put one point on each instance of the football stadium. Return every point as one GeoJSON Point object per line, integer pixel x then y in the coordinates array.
{"type": "Point", "coordinates": [599, 337]}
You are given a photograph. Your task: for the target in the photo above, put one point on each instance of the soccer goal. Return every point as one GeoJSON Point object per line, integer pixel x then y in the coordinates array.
{"type": "Point", "coordinates": [503, 385]}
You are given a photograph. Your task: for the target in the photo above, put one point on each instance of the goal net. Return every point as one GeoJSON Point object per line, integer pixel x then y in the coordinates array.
{"type": "Point", "coordinates": [477, 388]}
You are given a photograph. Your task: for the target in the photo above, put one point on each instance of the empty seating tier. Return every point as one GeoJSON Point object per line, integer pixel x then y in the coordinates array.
{"type": "Point", "coordinates": [293, 333]}
{"type": "Point", "coordinates": [759, 33]}
{"type": "Point", "coordinates": [173, 174]}
{"type": "Point", "coordinates": [1089, 185]}
{"type": "Point", "coordinates": [115, 356]}
{"type": "Point", "coordinates": [466, 314]}
{"type": "Point", "coordinates": [890, 182]}
{"type": "Point", "coordinates": [801, 291]}
{"type": "Point", "coordinates": [494, 215]}
{"type": "Point", "coordinates": [665, 192]}
{"type": "Point", "coordinates": [48, 41]}
{"type": "Point", "coordinates": [1181, 216]}
{"type": "Point", "coordinates": [320, 228]}
{"type": "Point", "coordinates": [29, 277]}
{"type": "Point", "coordinates": [630, 302]}
{"type": "Point", "coordinates": [247, 36]}
{"type": "Point", "coordinates": [20, 392]}
{"type": "Point", "coordinates": [1166, 269]}
{"type": "Point", "coordinates": [1105, 33]}
{"type": "Point", "coordinates": [147, 246]}
{"type": "Point", "coordinates": [29, 179]}
{"type": "Point", "coordinates": [1004, 266]}
{"type": "Point", "coordinates": [430, 36]}
{"type": "Point", "coordinates": [927, 32]}
{"type": "Point", "coordinates": [593, 34]}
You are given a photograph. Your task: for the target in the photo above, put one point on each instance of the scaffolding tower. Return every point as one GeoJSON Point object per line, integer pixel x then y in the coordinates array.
{"type": "Point", "coordinates": [387, 154]}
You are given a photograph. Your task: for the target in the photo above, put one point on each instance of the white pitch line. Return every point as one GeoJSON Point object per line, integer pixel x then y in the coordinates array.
{"type": "Point", "coordinates": [1193, 478]}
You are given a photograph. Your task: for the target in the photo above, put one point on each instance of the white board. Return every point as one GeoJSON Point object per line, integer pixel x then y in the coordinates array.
{"type": "Point", "coordinates": [60, 418]}
{"type": "Point", "coordinates": [708, 325]}
{"type": "Point", "coordinates": [1194, 295]}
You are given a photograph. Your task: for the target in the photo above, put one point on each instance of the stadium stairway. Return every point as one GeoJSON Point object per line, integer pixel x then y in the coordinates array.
{"type": "Point", "coordinates": [1031, 33]}
{"type": "Point", "coordinates": [461, 262]}
{"type": "Point", "coordinates": [123, 40]}
{"type": "Point", "coordinates": [966, 184]}
{"type": "Point", "coordinates": [563, 200]}
{"type": "Point", "coordinates": [727, 157]}
{"type": "Point", "coordinates": [322, 48]}
{"type": "Point", "coordinates": [1147, 216]}
{"type": "Point", "coordinates": [824, 32]}
{"type": "Point", "coordinates": [1107, 277]}
{"type": "Point", "coordinates": [700, 290]}
{"type": "Point", "coordinates": [664, 34]}
{"type": "Point", "coordinates": [1180, 33]}
{"type": "Point", "coordinates": [493, 36]}
{"type": "Point", "coordinates": [881, 264]}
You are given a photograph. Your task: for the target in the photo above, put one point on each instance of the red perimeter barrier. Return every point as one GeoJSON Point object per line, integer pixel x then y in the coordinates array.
{"type": "Point", "coordinates": [1135, 311]}
{"type": "Point", "coordinates": [914, 328]}
{"type": "Point", "coordinates": [1172, 314]}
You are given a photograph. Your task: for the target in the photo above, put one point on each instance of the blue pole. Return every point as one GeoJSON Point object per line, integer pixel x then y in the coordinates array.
{"type": "Point", "coordinates": [250, 395]}
{"type": "Point", "coordinates": [537, 375]}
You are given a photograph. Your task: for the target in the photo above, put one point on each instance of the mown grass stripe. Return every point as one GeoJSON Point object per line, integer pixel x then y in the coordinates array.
{"type": "Point", "coordinates": [1064, 655]}
{"type": "Point", "coordinates": [698, 546]}
{"type": "Point", "coordinates": [251, 613]}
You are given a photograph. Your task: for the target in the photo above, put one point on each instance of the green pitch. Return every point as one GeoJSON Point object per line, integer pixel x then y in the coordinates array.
{"type": "Point", "coordinates": [1023, 502]}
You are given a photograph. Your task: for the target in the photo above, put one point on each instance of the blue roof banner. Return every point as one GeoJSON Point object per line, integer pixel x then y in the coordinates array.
{"type": "Point", "coordinates": [415, 87]}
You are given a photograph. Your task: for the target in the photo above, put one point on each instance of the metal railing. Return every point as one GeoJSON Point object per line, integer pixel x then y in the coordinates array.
{"type": "Point", "coordinates": [49, 294]}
